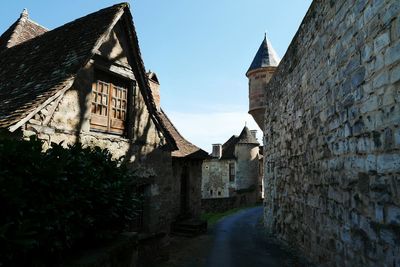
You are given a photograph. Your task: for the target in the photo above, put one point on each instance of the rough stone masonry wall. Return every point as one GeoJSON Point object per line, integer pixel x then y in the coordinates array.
{"type": "Point", "coordinates": [67, 118]}
{"type": "Point", "coordinates": [246, 166]}
{"type": "Point", "coordinates": [215, 178]}
{"type": "Point", "coordinates": [332, 136]}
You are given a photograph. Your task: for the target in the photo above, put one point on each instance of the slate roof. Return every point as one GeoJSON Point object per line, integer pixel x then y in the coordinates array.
{"type": "Point", "coordinates": [34, 70]}
{"type": "Point", "coordinates": [37, 69]}
{"type": "Point", "coordinates": [228, 148]}
{"type": "Point", "coordinates": [20, 31]}
{"type": "Point", "coordinates": [265, 56]}
{"type": "Point", "coordinates": [245, 137]}
{"type": "Point", "coordinates": [185, 148]}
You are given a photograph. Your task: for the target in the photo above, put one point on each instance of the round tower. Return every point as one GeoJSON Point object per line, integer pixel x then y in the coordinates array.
{"type": "Point", "coordinates": [247, 154]}
{"type": "Point", "coordinates": [260, 72]}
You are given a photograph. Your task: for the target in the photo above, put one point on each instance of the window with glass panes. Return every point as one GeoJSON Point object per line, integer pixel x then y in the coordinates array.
{"type": "Point", "coordinates": [231, 172]}
{"type": "Point", "coordinates": [109, 103]}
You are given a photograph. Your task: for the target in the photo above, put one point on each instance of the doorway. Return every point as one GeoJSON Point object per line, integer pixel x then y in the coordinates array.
{"type": "Point", "coordinates": [185, 191]}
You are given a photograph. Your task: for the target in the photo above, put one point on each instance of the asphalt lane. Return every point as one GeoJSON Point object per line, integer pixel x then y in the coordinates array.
{"type": "Point", "coordinates": [239, 241]}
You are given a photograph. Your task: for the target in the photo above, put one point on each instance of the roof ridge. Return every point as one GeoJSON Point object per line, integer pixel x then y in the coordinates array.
{"type": "Point", "coordinates": [37, 24]}
{"type": "Point", "coordinates": [28, 51]}
{"type": "Point", "coordinates": [177, 131]}
{"type": "Point", "coordinates": [18, 28]}
{"type": "Point", "coordinates": [13, 34]}
{"type": "Point", "coordinates": [41, 41]}
{"type": "Point", "coordinates": [184, 148]}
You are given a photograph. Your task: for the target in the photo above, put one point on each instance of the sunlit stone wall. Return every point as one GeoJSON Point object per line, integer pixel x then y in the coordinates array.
{"type": "Point", "coordinates": [332, 136]}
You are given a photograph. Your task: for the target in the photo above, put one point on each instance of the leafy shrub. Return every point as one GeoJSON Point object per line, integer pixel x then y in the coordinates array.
{"type": "Point", "coordinates": [62, 198]}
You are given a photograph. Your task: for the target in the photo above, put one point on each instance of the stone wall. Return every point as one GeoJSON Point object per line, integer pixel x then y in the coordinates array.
{"type": "Point", "coordinates": [226, 203]}
{"type": "Point", "coordinates": [67, 120]}
{"type": "Point", "coordinates": [215, 173]}
{"type": "Point", "coordinates": [332, 136]}
{"type": "Point", "coordinates": [246, 166]}
{"type": "Point", "coordinates": [193, 186]}
{"type": "Point", "coordinates": [215, 178]}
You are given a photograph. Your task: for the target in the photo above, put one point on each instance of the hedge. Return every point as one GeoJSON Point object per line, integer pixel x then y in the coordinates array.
{"type": "Point", "coordinates": [59, 200]}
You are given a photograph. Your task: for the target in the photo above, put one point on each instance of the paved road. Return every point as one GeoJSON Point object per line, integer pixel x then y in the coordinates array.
{"type": "Point", "coordinates": [239, 241]}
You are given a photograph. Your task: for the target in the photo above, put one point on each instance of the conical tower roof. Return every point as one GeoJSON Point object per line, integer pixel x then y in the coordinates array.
{"type": "Point", "coordinates": [246, 137]}
{"type": "Point", "coordinates": [265, 56]}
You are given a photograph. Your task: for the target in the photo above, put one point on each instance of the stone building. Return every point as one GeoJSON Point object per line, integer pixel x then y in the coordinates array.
{"type": "Point", "coordinates": [259, 73]}
{"type": "Point", "coordinates": [233, 169]}
{"type": "Point", "coordinates": [86, 82]}
{"type": "Point", "coordinates": [332, 136]}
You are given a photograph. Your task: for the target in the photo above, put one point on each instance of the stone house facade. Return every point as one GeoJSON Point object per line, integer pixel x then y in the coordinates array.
{"type": "Point", "coordinates": [332, 138]}
{"type": "Point", "coordinates": [85, 82]}
{"type": "Point", "coordinates": [233, 169]}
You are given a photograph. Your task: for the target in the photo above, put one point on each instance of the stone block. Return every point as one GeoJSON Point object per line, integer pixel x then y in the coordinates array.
{"type": "Point", "coordinates": [397, 136]}
{"type": "Point", "coordinates": [358, 77]}
{"type": "Point", "coordinates": [370, 163]}
{"type": "Point", "coordinates": [392, 54]}
{"type": "Point", "coordinates": [381, 41]}
{"type": "Point", "coordinates": [388, 98]}
{"type": "Point", "coordinates": [395, 73]}
{"type": "Point", "coordinates": [379, 213]}
{"type": "Point", "coordinates": [380, 80]}
{"type": "Point", "coordinates": [378, 64]}
{"type": "Point", "coordinates": [388, 163]}
{"type": "Point", "coordinates": [392, 215]}
{"type": "Point", "coordinates": [391, 12]}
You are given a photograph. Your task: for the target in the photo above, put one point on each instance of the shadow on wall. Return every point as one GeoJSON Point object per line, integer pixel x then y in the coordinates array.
{"type": "Point", "coordinates": [136, 133]}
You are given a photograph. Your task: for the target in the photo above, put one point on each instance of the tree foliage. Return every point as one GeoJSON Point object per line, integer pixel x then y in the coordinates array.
{"type": "Point", "coordinates": [58, 199]}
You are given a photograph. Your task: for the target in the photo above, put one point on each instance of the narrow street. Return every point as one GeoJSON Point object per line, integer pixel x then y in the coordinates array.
{"type": "Point", "coordinates": [236, 241]}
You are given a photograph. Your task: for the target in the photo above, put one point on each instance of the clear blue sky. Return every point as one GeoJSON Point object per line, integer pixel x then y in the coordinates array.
{"type": "Point", "coordinates": [200, 51]}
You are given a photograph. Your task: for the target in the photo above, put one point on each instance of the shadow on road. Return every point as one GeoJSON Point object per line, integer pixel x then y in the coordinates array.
{"type": "Point", "coordinates": [238, 240]}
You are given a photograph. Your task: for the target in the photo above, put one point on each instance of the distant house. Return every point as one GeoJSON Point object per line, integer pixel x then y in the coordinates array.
{"type": "Point", "coordinates": [234, 169]}
{"type": "Point", "coordinates": [86, 82]}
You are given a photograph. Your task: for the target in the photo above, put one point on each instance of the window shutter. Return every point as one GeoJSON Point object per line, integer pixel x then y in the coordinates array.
{"type": "Point", "coordinates": [109, 104]}
{"type": "Point", "coordinates": [119, 99]}
{"type": "Point", "coordinates": [100, 99]}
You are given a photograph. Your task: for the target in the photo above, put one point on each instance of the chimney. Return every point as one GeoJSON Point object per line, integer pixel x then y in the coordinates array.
{"type": "Point", "coordinates": [216, 151]}
{"type": "Point", "coordinates": [254, 133]}
{"type": "Point", "coordinates": [155, 88]}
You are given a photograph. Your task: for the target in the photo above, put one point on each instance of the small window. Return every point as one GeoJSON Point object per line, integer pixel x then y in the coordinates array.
{"type": "Point", "coordinates": [231, 172]}
{"type": "Point", "coordinates": [211, 192]}
{"type": "Point", "coordinates": [109, 103]}
{"type": "Point", "coordinates": [219, 193]}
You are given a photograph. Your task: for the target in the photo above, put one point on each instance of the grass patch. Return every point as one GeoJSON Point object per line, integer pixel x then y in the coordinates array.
{"type": "Point", "coordinates": [214, 217]}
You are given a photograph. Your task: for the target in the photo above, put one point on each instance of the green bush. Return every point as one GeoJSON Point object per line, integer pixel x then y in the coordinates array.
{"type": "Point", "coordinates": [62, 198]}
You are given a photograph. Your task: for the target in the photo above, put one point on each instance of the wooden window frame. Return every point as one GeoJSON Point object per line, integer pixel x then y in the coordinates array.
{"type": "Point", "coordinates": [232, 172]}
{"type": "Point", "coordinates": [110, 114]}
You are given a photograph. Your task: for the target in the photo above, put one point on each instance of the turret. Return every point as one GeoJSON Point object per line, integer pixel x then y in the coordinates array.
{"type": "Point", "coordinates": [260, 72]}
{"type": "Point", "coordinates": [246, 153]}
